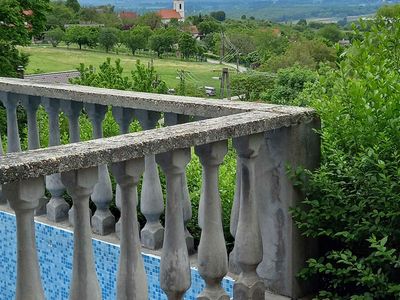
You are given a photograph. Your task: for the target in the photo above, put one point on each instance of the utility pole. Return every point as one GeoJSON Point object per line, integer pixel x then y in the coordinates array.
{"type": "Point", "coordinates": [222, 47]}
{"type": "Point", "coordinates": [238, 62]}
{"type": "Point", "coordinates": [225, 81]}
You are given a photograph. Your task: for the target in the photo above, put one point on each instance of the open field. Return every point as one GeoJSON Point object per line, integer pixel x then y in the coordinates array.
{"type": "Point", "coordinates": [48, 59]}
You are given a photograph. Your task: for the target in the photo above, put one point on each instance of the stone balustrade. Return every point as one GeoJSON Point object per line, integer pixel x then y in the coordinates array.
{"type": "Point", "coordinates": [268, 250]}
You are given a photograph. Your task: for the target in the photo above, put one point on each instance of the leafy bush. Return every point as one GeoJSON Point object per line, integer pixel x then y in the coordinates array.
{"type": "Point", "coordinates": [249, 86]}
{"type": "Point", "coordinates": [289, 83]}
{"type": "Point", "coordinates": [353, 200]}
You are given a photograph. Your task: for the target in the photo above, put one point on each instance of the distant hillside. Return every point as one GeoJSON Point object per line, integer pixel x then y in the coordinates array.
{"type": "Point", "coordinates": [277, 10]}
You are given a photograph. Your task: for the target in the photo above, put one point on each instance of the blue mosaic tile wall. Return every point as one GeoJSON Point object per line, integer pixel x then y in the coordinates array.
{"type": "Point", "coordinates": [55, 256]}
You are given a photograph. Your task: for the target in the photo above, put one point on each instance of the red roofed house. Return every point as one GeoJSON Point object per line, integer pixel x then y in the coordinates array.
{"type": "Point", "coordinates": [128, 15]}
{"type": "Point", "coordinates": [177, 13]}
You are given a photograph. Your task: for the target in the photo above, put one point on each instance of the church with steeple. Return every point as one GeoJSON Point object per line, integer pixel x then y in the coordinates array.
{"type": "Point", "coordinates": [178, 12]}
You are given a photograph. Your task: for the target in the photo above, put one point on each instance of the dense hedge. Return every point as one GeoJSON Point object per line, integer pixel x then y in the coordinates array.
{"type": "Point", "coordinates": [353, 200]}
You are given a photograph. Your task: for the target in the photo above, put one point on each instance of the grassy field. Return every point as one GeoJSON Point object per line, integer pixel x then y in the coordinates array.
{"type": "Point", "coordinates": [48, 59]}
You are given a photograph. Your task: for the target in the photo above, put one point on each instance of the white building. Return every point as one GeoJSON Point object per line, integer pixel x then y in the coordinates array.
{"type": "Point", "coordinates": [178, 12]}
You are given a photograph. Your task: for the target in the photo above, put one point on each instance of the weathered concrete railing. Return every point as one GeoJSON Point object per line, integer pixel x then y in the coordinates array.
{"type": "Point", "coordinates": [268, 249]}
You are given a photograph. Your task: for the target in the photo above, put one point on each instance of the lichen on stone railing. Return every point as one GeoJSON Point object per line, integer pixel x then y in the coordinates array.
{"type": "Point", "coordinates": [268, 250]}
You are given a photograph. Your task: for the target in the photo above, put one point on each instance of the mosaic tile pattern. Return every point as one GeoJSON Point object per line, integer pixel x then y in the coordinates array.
{"type": "Point", "coordinates": [55, 257]}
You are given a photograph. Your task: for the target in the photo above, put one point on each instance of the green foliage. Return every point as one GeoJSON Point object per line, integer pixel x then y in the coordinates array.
{"type": "Point", "coordinates": [331, 32]}
{"type": "Point", "coordinates": [151, 19]}
{"type": "Point", "coordinates": [143, 78]}
{"type": "Point", "coordinates": [55, 36]}
{"type": "Point", "coordinates": [187, 45]}
{"type": "Point", "coordinates": [108, 38]}
{"type": "Point", "coordinates": [137, 38]}
{"type": "Point", "coordinates": [73, 4]}
{"type": "Point", "coordinates": [10, 60]}
{"type": "Point", "coordinates": [288, 84]}
{"type": "Point", "coordinates": [59, 15]}
{"type": "Point", "coordinates": [218, 15]}
{"type": "Point", "coordinates": [209, 26]}
{"type": "Point", "coordinates": [161, 41]}
{"type": "Point", "coordinates": [249, 86]}
{"type": "Point", "coordinates": [308, 54]}
{"type": "Point", "coordinates": [82, 36]}
{"type": "Point", "coordinates": [19, 22]}
{"type": "Point", "coordinates": [353, 202]}
{"type": "Point", "coordinates": [389, 11]}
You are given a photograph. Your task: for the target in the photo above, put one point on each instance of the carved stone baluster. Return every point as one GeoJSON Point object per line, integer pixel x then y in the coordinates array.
{"type": "Point", "coordinates": [24, 199]}
{"type": "Point", "coordinates": [175, 277]}
{"type": "Point", "coordinates": [132, 281]}
{"type": "Point", "coordinates": [2, 197]}
{"type": "Point", "coordinates": [103, 222]}
{"type": "Point", "coordinates": [31, 105]}
{"type": "Point", "coordinates": [171, 119]}
{"type": "Point", "coordinates": [84, 283]}
{"type": "Point", "coordinates": [72, 110]}
{"type": "Point", "coordinates": [233, 265]}
{"type": "Point", "coordinates": [151, 200]}
{"type": "Point", "coordinates": [248, 243]}
{"type": "Point", "coordinates": [10, 102]}
{"type": "Point", "coordinates": [212, 257]}
{"type": "Point", "coordinates": [57, 208]}
{"type": "Point", "coordinates": [124, 118]}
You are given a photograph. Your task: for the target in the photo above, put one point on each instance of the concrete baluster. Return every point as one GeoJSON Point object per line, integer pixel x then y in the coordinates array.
{"type": "Point", "coordinates": [233, 265]}
{"type": "Point", "coordinates": [248, 242]}
{"type": "Point", "coordinates": [84, 282]}
{"type": "Point", "coordinates": [175, 277]}
{"type": "Point", "coordinates": [72, 110]}
{"type": "Point", "coordinates": [132, 281]}
{"type": "Point", "coordinates": [57, 208]}
{"type": "Point", "coordinates": [124, 118]}
{"type": "Point", "coordinates": [31, 105]}
{"type": "Point", "coordinates": [2, 197]}
{"type": "Point", "coordinates": [103, 222]}
{"type": "Point", "coordinates": [11, 102]}
{"type": "Point", "coordinates": [171, 119]}
{"type": "Point", "coordinates": [212, 257]}
{"type": "Point", "coordinates": [24, 199]}
{"type": "Point", "coordinates": [151, 200]}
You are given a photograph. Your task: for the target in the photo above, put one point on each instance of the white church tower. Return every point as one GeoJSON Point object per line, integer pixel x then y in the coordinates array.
{"type": "Point", "coordinates": [179, 7]}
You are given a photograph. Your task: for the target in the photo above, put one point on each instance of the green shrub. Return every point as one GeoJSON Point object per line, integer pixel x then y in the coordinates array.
{"type": "Point", "coordinates": [249, 86]}
{"type": "Point", "coordinates": [288, 84]}
{"type": "Point", "coordinates": [353, 200]}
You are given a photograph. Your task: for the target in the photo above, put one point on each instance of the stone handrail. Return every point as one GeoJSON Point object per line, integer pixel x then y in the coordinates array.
{"type": "Point", "coordinates": [265, 138]}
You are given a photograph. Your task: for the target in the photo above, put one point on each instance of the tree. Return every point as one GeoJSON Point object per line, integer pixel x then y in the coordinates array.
{"type": "Point", "coordinates": [108, 38]}
{"type": "Point", "coordinates": [352, 200]}
{"type": "Point", "coordinates": [151, 20]}
{"type": "Point", "coordinates": [218, 15]}
{"type": "Point", "coordinates": [55, 36]}
{"type": "Point", "coordinates": [73, 4]}
{"type": "Point", "coordinates": [60, 15]}
{"type": "Point", "coordinates": [161, 41]}
{"type": "Point", "coordinates": [389, 11]}
{"type": "Point", "coordinates": [209, 26]}
{"type": "Point", "coordinates": [331, 32]}
{"type": "Point", "coordinates": [82, 36]}
{"type": "Point", "coordinates": [20, 21]}
{"type": "Point", "coordinates": [137, 38]}
{"type": "Point", "coordinates": [305, 53]}
{"type": "Point", "coordinates": [187, 45]}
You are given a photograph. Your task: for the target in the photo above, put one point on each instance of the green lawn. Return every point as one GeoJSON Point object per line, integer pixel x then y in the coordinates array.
{"type": "Point", "coordinates": [48, 59]}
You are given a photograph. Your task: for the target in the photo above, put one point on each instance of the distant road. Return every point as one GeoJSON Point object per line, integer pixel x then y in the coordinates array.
{"type": "Point", "coordinates": [216, 62]}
